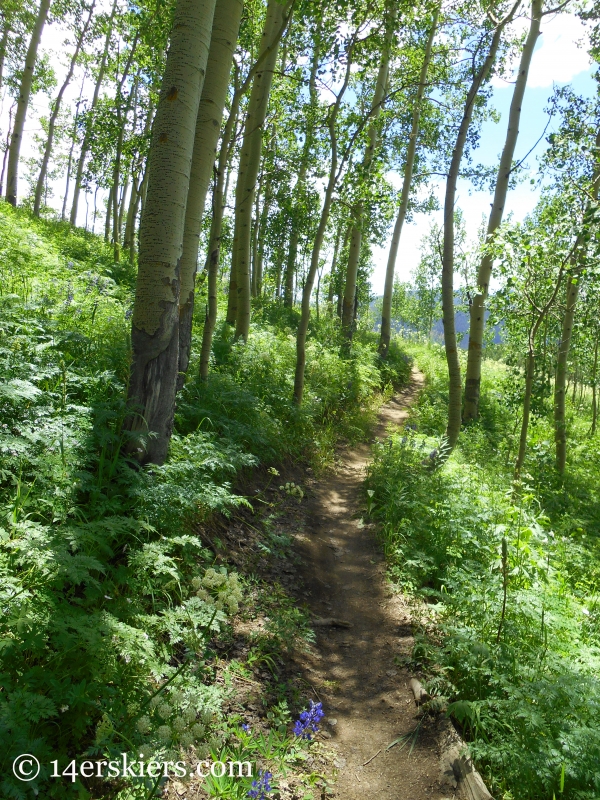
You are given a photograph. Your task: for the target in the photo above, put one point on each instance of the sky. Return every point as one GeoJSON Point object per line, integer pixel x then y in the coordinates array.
{"type": "Point", "coordinates": [558, 59]}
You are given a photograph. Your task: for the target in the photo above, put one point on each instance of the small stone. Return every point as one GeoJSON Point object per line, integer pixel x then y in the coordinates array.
{"type": "Point", "coordinates": [325, 735]}
{"type": "Point", "coordinates": [332, 722]}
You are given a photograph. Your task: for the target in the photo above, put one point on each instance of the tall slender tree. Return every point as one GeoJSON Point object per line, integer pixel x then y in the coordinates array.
{"type": "Point", "coordinates": [477, 310]}
{"type": "Point", "coordinates": [276, 20]}
{"type": "Point", "coordinates": [411, 150]}
{"type": "Point", "coordinates": [16, 140]}
{"type": "Point", "coordinates": [85, 144]}
{"type": "Point", "coordinates": [56, 106]}
{"type": "Point", "coordinates": [155, 323]}
{"type": "Point", "coordinates": [358, 216]}
{"type": "Point", "coordinates": [226, 23]}
{"type": "Point", "coordinates": [480, 75]}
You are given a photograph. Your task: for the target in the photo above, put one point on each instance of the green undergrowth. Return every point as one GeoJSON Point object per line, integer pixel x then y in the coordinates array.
{"type": "Point", "coordinates": [510, 578]}
{"type": "Point", "coordinates": [113, 611]}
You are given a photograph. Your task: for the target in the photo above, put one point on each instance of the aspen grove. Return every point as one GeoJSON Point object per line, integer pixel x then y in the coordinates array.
{"type": "Point", "coordinates": [208, 288]}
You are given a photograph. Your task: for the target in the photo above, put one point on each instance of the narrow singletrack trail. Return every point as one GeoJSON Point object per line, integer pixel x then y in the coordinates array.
{"type": "Point", "coordinates": [355, 670]}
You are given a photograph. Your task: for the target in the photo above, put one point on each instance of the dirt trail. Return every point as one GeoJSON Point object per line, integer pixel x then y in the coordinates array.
{"type": "Point", "coordinates": [365, 694]}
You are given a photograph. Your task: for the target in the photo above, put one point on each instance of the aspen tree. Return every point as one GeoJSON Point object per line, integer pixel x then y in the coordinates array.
{"type": "Point", "coordinates": [226, 23]}
{"type": "Point", "coordinates": [276, 20]}
{"type": "Point", "coordinates": [257, 272]}
{"type": "Point", "coordinates": [137, 182]}
{"type": "Point", "coordinates": [3, 47]}
{"type": "Point", "coordinates": [16, 139]}
{"type": "Point", "coordinates": [121, 123]}
{"type": "Point", "coordinates": [85, 145]}
{"type": "Point", "coordinates": [334, 174]}
{"type": "Point", "coordinates": [572, 292]}
{"type": "Point", "coordinates": [155, 329]}
{"type": "Point", "coordinates": [358, 221]}
{"type": "Point", "coordinates": [39, 188]}
{"type": "Point", "coordinates": [386, 309]}
{"type": "Point", "coordinates": [288, 287]}
{"type": "Point", "coordinates": [477, 310]}
{"type": "Point", "coordinates": [450, 344]}
{"type": "Point", "coordinates": [63, 212]}
{"type": "Point", "coordinates": [219, 199]}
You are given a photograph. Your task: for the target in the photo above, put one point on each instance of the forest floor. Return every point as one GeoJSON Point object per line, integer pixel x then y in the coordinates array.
{"type": "Point", "coordinates": [356, 667]}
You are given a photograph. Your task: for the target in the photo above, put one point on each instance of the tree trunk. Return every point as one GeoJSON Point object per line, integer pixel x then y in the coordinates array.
{"type": "Point", "coordinates": [264, 218]}
{"type": "Point", "coordinates": [529, 375]}
{"type": "Point", "coordinates": [226, 23]}
{"type": "Point", "coordinates": [455, 383]}
{"type": "Point", "coordinates": [54, 115]}
{"type": "Point", "coordinates": [3, 45]}
{"type": "Point", "coordinates": [23, 103]}
{"type": "Point", "coordinates": [219, 201]}
{"type": "Point", "coordinates": [477, 310]}
{"type": "Point", "coordinates": [155, 328]}
{"type": "Point", "coordinates": [85, 145]}
{"type": "Point", "coordinates": [358, 221]}
{"type": "Point", "coordinates": [386, 308]}
{"type": "Point", "coordinates": [121, 124]}
{"type": "Point", "coordinates": [7, 144]}
{"type": "Point", "coordinates": [560, 433]}
{"type": "Point", "coordinates": [318, 243]}
{"type": "Point", "coordinates": [137, 185]}
{"type": "Point", "coordinates": [109, 209]}
{"type": "Point", "coordinates": [595, 389]}
{"type": "Point", "coordinates": [334, 260]}
{"type": "Point", "coordinates": [300, 188]}
{"type": "Point", "coordinates": [72, 150]}
{"type": "Point", "coordinates": [129, 232]}
{"type": "Point", "coordinates": [276, 20]}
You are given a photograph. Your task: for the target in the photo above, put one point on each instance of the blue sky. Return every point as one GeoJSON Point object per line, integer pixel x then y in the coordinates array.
{"type": "Point", "coordinates": [557, 60]}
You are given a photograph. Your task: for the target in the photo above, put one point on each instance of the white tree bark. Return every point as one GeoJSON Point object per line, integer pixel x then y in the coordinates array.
{"type": "Point", "coordinates": [155, 334]}
{"type": "Point", "coordinates": [226, 23]}
{"type": "Point", "coordinates": [85, 145]}
{"type": "Point", "coordinates": [275, 22]}
{"type": "Point", "coordinates": [358, 221]}
{"type": "Point", "coordinates": [450, 343]}
{"type": "Point", "coordinates": [477, 311]}
{"type": "Point", "coordinates": [39, 188]}
{"type": "Point", "coordinates": [411, 150]}
{"type": "Point", "coordinates": [23, 103]}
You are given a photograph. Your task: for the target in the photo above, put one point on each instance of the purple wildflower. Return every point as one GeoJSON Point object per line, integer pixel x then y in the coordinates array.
{"type": "Point", "coordinates": [246, 728]}
{"type": "Point", "coordinates": [309, 721]}
{"type": "Point", "coordinates": [261, 786]}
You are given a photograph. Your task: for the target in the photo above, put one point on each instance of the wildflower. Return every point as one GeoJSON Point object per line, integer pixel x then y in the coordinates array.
{"type": "Point", "coordinates": [198, 730]}
{"type": "Point", "coordinates": [309, 721]}
{"type": "Point", "coordinates": [164, 710]}
{"type": "Point", "coordinates": [179, 725]}
{"type": "Point", "coordinates": [187, 740]}
{"type": "Point", "coordinates": [246, 728]}
{"type": "Point", "coordinates": [164, 733]}
{"type": "Point", "coordinates": [144, 724]}
{"type": "Point", "coordinates": [262, 786]}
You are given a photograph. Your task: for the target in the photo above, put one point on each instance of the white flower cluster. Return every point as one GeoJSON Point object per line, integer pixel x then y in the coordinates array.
{"type": "Point", "coordinates": [293, 489]}
{"type": "Point", "coordinates": [182, 725]}
{"type": "Point", "coordinates": [219, 589]}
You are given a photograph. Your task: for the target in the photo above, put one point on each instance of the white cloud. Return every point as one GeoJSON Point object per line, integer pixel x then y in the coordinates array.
{"type": "Point", "coordinates": [560, 54]}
